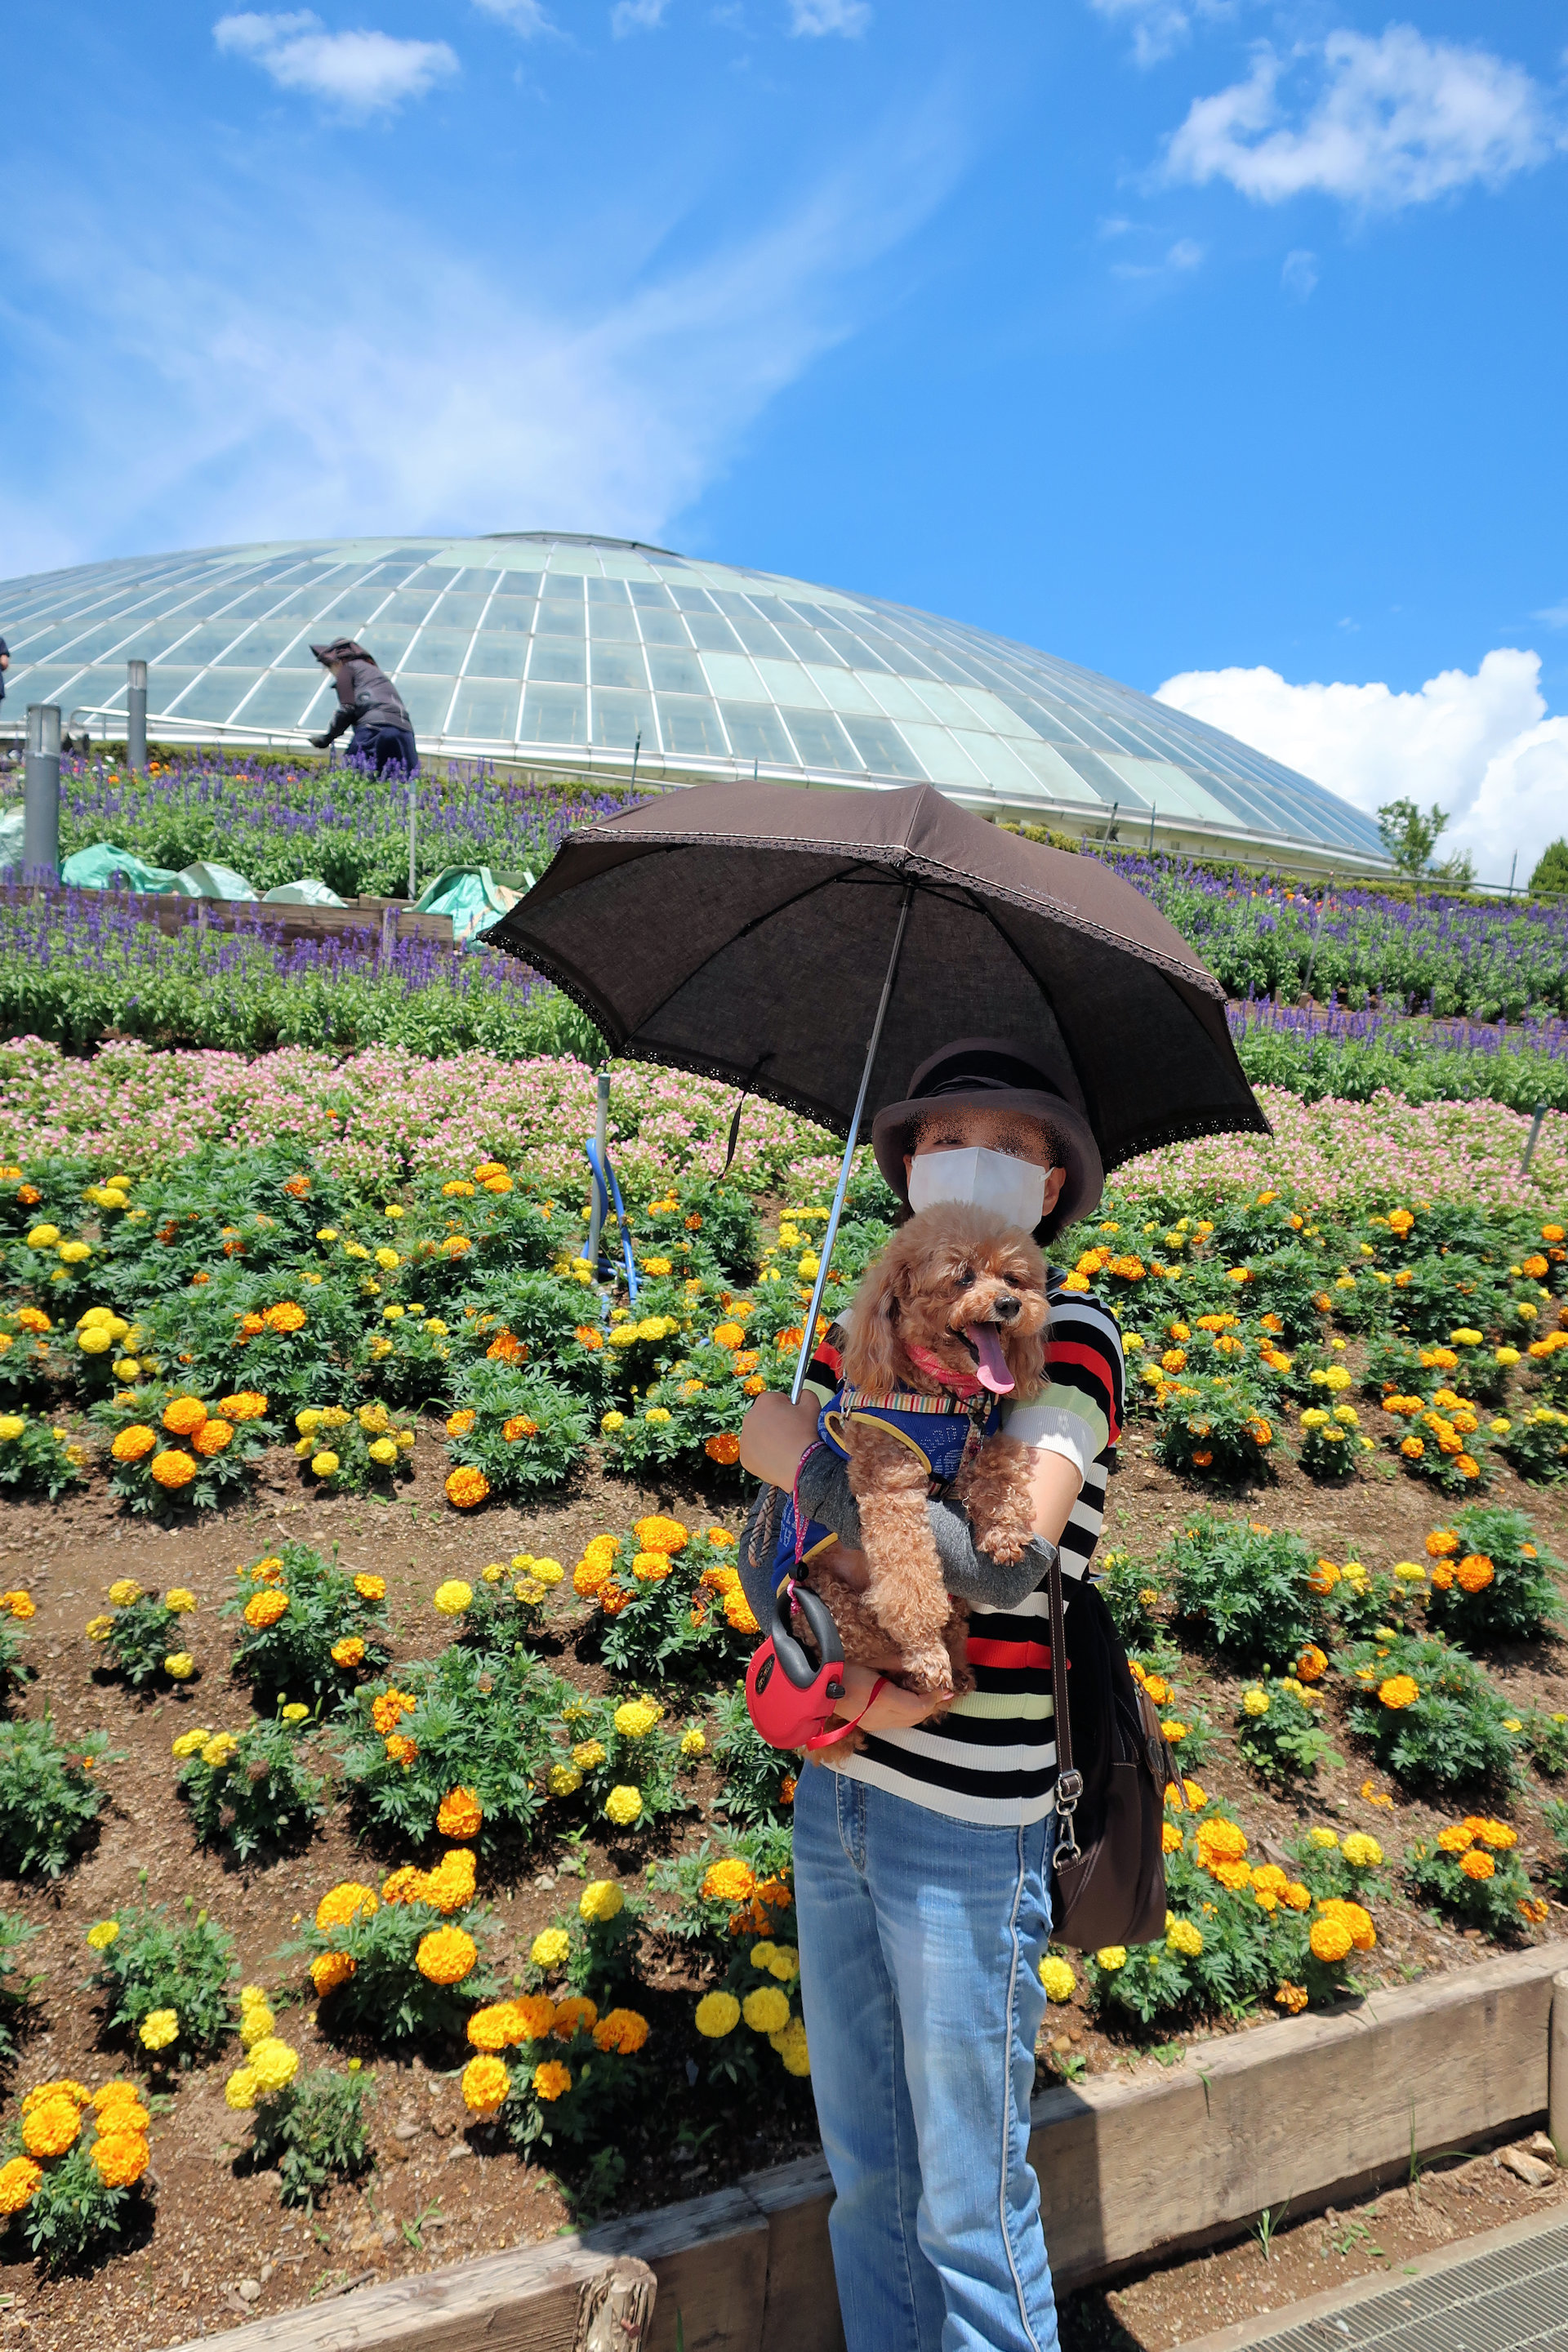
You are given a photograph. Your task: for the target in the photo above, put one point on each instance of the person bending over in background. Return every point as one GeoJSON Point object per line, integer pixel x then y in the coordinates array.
{"type": "Point", "coordinates": [922, 1865]}
{"type": "Point", "coordinates": [371, 705]}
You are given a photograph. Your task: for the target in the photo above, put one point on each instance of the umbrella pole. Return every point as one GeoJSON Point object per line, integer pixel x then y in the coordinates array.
{"type": "Point", "coordinates": [808, 1340]}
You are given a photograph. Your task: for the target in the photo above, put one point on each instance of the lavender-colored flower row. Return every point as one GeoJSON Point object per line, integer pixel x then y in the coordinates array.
{"type": "Point", "coordinates": [1336, 1026]}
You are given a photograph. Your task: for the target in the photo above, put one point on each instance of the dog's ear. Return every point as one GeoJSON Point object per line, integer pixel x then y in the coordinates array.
{"type": "Point", "coordinates": [871, 1353]}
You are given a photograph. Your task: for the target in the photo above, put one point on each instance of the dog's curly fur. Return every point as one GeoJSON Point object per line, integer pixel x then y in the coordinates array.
{"type": "Point", "coordinates": [948, 1268]}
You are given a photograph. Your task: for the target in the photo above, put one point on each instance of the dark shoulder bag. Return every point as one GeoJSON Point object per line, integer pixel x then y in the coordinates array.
{"type": "Point", "coordinates": [1113, 1766]}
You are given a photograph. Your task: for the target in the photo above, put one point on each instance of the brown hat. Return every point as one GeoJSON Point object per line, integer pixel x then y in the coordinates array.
{"type": "Point", "coordinates": [993, 1073]}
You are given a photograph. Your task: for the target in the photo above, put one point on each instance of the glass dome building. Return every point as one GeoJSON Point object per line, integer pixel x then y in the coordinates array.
{"type": "Point", "coordinates": [606, 657]}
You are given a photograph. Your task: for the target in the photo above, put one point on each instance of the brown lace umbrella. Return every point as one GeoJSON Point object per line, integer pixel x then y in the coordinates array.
{"type": "Point", "coordinates": [815, 945]}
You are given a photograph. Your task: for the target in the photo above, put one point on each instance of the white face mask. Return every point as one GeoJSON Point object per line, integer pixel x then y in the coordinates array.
{"type": "Point", "coordinates": [1012, 1190]}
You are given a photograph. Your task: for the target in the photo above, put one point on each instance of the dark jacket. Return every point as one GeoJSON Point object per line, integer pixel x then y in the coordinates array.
{"type": "Point", "coordinates": [367, 698]}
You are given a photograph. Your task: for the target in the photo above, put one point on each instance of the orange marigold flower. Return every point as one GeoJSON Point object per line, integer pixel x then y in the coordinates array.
{"type": "Point", "coordinates": [460, 1814]}
{"type": "Point", "coordinates": [622, 2030]}
{"type": "Point", "coordinates": [725, 1447]}
{"type": "Point", "coordinates": [183, 1416]}
{"type": "Point", "coordinates": [1399, 1691]}
{"type": "Point", "coordinates": [371, 1588]}
{"type": "Point", "coordinates": [656, 1533]}
{"type": "Point", "coordinates": [1292, 1998]}
{"type": "Point", "coordinates": [400, 1750]}
{"type": "Point", "coordinates": [297, 1187]}
{"type": "Point", "coordinates": [212, 1437]}
{"type": "Point", "coordinates": [1443, 1543]}
{"type": "Point", "coordinates": [52, 2127]}
{"type": "Point", "coordinates": [342, 1903]}
{"type": "Point", "coordinates": [1311, 1665]}
{"type": "Point", "coordinates": [135, 1443]}
{"type": "Point", "coordinates": [18, 2181]}
{"type": "Point", "coordinates": [1330, 1938]}
{"type": "Point", "coordinates": [120, 2157]}
{"type": "Point", "coordinates": [586, 1337]}
{"type": "Point", "coordinates": [265, 1608]}
{"type": "Point", "coordinates": [575, 2014]}
{"type": "Point", "coordinates": [388, 1711]}
{"type": "Point", "coordinates": [467, 1489]}
{"type": "Point", "coordinates": [1456, 1837]}
{"type": "Point", "coordinates": [329, 1970]}
{"type": "Point", "coordinates": [1476, 1863]}
{"type": "Point", "coordinates": [518, 1426]}
{"type": "Point", "coordinates": [729, 1881]}
{"type": "Point", "coordinates": [1474, 1572]}
{"type": "Point", "coordinates": [614, 1599]}
{"type": "Point", "coordinates": [499, 2026]}
{"type": "Point", "coordinates": [286, 1316]}
{"type": "Point", "coordinates": [447, 1955]}
{"type": "Point", "coordinates": [171, 1469]}
{"type": "Point", "coordinates": [348, 1652]}
{"type": "Point", "coordinates": [245, 1404]}
{"type": "Point", "coordinates": [551, 2080]}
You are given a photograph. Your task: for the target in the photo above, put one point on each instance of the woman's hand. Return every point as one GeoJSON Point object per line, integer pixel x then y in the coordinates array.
{"type": "Point", "coordinates": [774, 1435]}
{"type": "Point", "coordinates": [892, 1709]}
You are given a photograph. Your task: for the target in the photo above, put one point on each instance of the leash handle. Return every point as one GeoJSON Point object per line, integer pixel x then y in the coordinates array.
{"type": "Point", "coordinates": [827, 1738]}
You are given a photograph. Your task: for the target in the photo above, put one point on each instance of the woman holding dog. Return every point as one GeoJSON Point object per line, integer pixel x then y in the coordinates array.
{"type": "Point", "coordinates": [922, 1861]}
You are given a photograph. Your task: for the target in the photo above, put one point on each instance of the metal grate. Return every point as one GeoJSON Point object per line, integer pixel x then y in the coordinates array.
{"type": "Point", "coordinates": [1515, 2299]}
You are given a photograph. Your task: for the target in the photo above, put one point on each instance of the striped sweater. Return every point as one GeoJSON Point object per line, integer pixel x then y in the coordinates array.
{"type": "Point", "coordinates": [992, 1759]}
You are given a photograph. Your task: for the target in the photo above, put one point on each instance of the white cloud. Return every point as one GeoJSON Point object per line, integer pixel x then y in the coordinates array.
{"type": "Point", "coordinates": [590, 386]}
{"type": "Point", "coordinates": [1158, 25]}
{"type": "Point", "coordinates": [1385, 122]}
{"type": "Point", "coordinates": [526, 18]}
{"type": "Point", "coordinates": [637, 16]}
{"type": "Point", "coordinates": [1555, 616]}
{"type": "Point", "coordinates": [1479, 745]}
{"type": "Point", "coordinates": [1184, 256]}
{"type": "Point", "coordinates": [814, 18]}
{"type": "Point", "coordinates": [364, 73]}
{"type": "Point", "coordinates": [1299, 275]}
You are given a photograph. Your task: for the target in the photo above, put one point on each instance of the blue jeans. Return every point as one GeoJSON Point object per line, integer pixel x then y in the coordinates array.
{"type": "Point", "coordinates": [920, 1941]}
{"type": "Point", "coordinates": [387, 747]}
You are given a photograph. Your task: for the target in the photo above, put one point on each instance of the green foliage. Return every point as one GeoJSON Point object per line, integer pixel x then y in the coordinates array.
{"type": "Point", "coordinates": [152, 1965]}
{"type": "Point", "coordinates": [388, 1994]}
{"type": "Point", "coordinates": [1243, 1588]}
{"type": "Point", "coordinates": [365, 1451]}
{"type": "Point", "coordinates": [1280, 1731]}
{"type": "Point", "coordinates": [38, 1458]}
{"type": "Point", "coordinates": [1473, 1873]}
{"type": "Point", "coordinates": [569, 2089]}
{"type": "Point", "coordinates": [1411, 840]}
{"type": "Point", "coordinates": [692, 1412]}
{"type": "Point", "coordinates": [600, 1943]}
{"type": "Point", "coordinates": [1332, 1443]}
{"type": "Point", "coordinates": [744, 1888]}
{"type": "Point", "coordinates": [1550, 877]}
{"type": "Point", "coordinates": [662, 1614]}
{"type": "Point", "coordinates": [163, 1471]}
{"type": "Point", "coordinates": [1546, 1739]}
{"type": "Point", "coordinates": [1518, 1601]}
{"type": "Point", "coordinates": [74, 2216]}
{"type": "Point", "coordinates": [140, 1637]}
{"type": "Point", "coordinates": [521, 1429]}
{"type": "Point", "coordinates": [27, 1360]}
{"type": "Point", "coordinates": [1132, 1593]}
{"type": "Point", "coordinates": [1222, 1429]}
{"type": "Point", "coordinates": [1348, 1869]}
{"type": "Point", "coordinates": [332, 1630]}
{"type": "Point", "coordinates": [1451, 1734]}
{"type": "Point", "coordinates": [312, 2132]}
{"type": "Point", "coordinates": [15, 1934]}
{"type": "Point", "coordinates": [1556, 1817]}
{"type": "Point", "coordinates": [49, 1795]}
{"type": "Point", "coordinates": [1361, 1600]}
{"type": "Point", "coordinates": [757, 1781]}
{"type": "Point", "coordinates": [618, 1752]}
{"type": "Point", "coordinates": [476, 1720]}
{"type": "Point", "coordinates": [1536, 1444]}
{"type": "Point", "coordinates": [252, 1792]}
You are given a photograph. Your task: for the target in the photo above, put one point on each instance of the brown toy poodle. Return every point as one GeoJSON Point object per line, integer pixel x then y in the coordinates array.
{"type": "Point", "coordinates": [956, 1295]}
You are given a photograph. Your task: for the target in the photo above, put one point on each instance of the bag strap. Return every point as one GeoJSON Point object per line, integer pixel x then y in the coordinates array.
{"type": "Point", "coordinates": [1070, 1782]}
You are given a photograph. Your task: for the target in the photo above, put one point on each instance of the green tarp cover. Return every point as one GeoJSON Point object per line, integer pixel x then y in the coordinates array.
{"type": "Point", "coordinates": [10, 828]}
{"type": "Point", "coordinates": [101, 865]}
{"type": "Point", "coordinates": [206, 881]}
{"type": "Point", "coordinates": [471, 896]}
{"type": "Point", "coordinates": [307, 892]}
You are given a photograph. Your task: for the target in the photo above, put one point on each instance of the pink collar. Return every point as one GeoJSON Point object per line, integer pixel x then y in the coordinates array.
{"type": "Point", "coordinates": [959, 1384]}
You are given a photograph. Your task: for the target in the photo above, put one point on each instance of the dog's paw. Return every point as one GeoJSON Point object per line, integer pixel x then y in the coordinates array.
{"type": "Point", "coordinates": [995, 1491]}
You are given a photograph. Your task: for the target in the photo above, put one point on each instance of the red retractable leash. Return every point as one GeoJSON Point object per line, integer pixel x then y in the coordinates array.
{"type": "Point", "coordinates": [790, 1699]}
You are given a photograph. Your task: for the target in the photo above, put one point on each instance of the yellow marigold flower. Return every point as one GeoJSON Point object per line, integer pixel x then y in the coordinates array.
{"type": "Point", "coordinates": [330, 1969]}
{"type": "Point", "coordinates": [325, 1463]}
{"type": "Point", "coordinates": [158, 2029]}
{"type": "Point", "coordinates": [791, 2047]}
{"type": "Point", "coordinates": [1184, 1937]}
{"type": "Point", "coordinates": [219, 1751]}
{"type": "Point", "coordinates": [256, 2023]}
{"type": "Point", "coordinates": [18, 2180]}
{"type": "Point", "coordinates": [693, 1743]}
{"type": "Point", "coordinates": [446, 1955]}
{"type": "Point", "coordinates": [101, 1937]}
{"type": "Point", "coordinates": [348, 1652]}
{"type": "Point", "coordinates": [1254, 1702]}
{"type": "Point", "coordinates": [623, 1805]}
{"type": "Point", "coordinates": [179, 1665]}
{"type": "Point", "coordinates": [550, 1949]}
{"type": "Point", "coordinates": [99, 1629]}
{"type": "Point", "coordinates": [371, 1588]}
{"type": "Point", "coordinates": [265, 1608]}
{"type": "Point", "coordinates": [1111, 1957]}
{"type": "Point", "coordinates": [636, 1719]}
{"type": "Point", "coordinates": [601, 1899]}
{"type": "Point", "coordinates": [565, 1779]}
{"type": "Point", "coordinates": [242, 2089]}
{"type": "Point", "coordinates": [498, 2026]}
{"type": "Point", "coordinates": [486, 2084]}
{"type": "Point", "coordinates": [1361, 1851]}
{"type": "Point", "coordinates": [274, 2063]}
{"type": "Point", "coordinates": [453, 1597]}
{"type": "Point", "coordinates": [766, 2011]}
{"type": "Point", "coordinates": [342, 1903]}
{"type": "Point", "coordinates": [551, 2080]}
{"type": "Point", "coordinates": [716, 2014]}
{"type": "Point", "coordinates": [1057, 1977]}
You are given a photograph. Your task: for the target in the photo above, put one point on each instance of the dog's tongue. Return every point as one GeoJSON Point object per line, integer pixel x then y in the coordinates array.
{"type": "Point", "coordinates": [992, 1368]}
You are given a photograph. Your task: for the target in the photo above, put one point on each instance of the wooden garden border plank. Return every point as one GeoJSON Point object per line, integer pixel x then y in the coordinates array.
{"type": "Point", "coordinates": [172, 912]}
{"type": "Point", "coordinates": [1130, 2166]}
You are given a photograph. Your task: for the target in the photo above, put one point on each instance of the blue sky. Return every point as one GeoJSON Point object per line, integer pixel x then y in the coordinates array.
{"type": "Point", "coordinates": [1214, 343]}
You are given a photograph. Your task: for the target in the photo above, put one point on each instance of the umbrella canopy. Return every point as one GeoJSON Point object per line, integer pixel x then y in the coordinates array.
{"type": "Point", "coordinates": [744, 931]}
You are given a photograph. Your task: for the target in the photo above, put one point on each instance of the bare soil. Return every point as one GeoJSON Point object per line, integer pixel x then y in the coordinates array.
{"type": "Point", "coordinates": [220, 2248]}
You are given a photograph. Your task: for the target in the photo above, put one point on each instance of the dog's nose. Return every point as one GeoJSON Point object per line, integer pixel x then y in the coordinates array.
{"type": "Point", "coordinates": [1006, 1307]}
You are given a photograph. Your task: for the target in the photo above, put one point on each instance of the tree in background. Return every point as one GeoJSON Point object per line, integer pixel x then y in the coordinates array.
{"type": "Point", "coordinates": [1549, 879]}
{"type": "Point", "coordinates": [1410, 839]}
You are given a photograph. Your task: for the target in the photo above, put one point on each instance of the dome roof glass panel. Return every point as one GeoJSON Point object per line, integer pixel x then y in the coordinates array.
{"type": "Point", "coordinates": [608, 656]}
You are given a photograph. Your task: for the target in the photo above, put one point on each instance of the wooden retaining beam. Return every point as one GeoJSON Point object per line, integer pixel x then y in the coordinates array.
{"type": "Point", "coordinates": [1312, 2110]}
{"type": "Point", "coordinates": [171, 911]}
